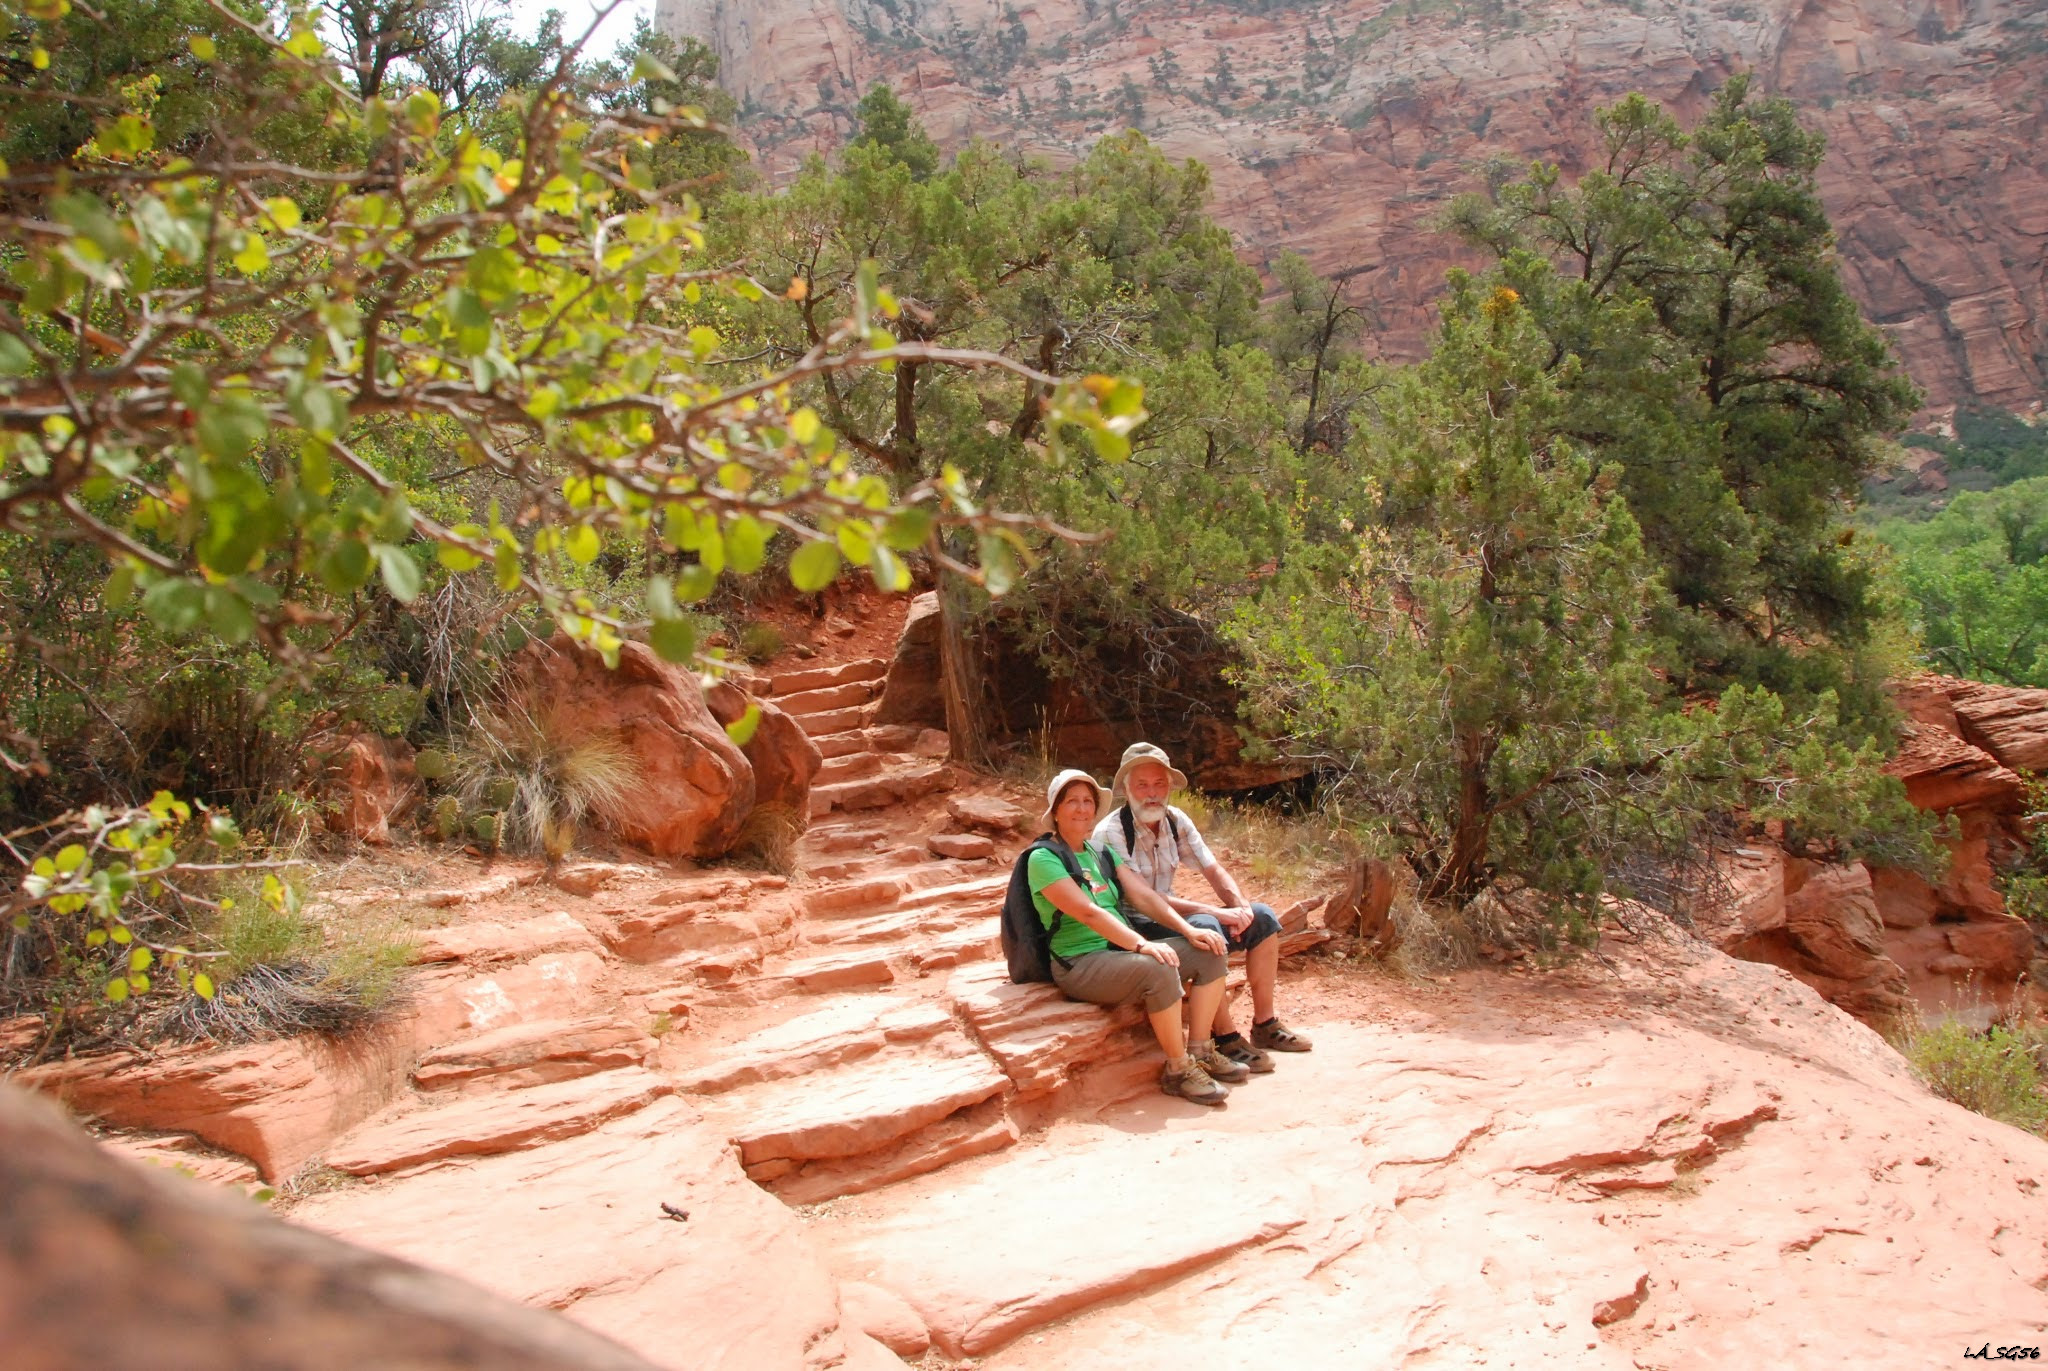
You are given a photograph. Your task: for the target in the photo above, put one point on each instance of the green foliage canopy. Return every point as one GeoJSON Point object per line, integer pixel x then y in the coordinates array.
{"type": "Point", "coordinates": [1977, 574]}
{"type": "Point", "coordinates": [1720, 362]}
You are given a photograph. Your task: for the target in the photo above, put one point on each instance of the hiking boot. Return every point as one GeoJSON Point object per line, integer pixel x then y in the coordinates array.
{"type": "Point", "coordinates": [1278, 1037]}
{"type": "Point", "coordinates": [1219, 1067]}
{"type": "Point", "coordinates": [1192, 1083]}
{"type": "Point", "coordinates": [1240, 1050]}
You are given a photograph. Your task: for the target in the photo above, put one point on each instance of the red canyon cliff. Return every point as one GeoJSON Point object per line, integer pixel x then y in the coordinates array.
{"type": "Point", "coordinates": [1338, 128]}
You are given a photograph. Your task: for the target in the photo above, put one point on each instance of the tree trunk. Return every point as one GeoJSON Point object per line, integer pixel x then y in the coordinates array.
{"type": "Point", "coordinates": [1460, 877]}
{"type": "Point", "coordinates": [961, 678]}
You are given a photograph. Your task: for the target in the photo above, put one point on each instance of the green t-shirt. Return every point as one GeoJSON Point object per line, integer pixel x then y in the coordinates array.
{"type": "Point", "coordinates": [1098, 882]}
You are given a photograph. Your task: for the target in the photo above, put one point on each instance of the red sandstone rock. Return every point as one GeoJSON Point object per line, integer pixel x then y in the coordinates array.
{"type": "Point", "coordinates": [884, 1316]}
{"type": "Point", "coordinates": [2008, 722]}
{"type": "Point", "coordinates": [1998, 950]}
{"type": "Point", "coordinates": [533, 1052]}
{"type": "Point", "coordinates": [1354, 163]}
{"type": "Point", "coordinates": [187, 1156]}
{"type": "Point", "coordinates": [501, 1122]}
{"type": "Point", "coordinates": [1041, 1038]}
{"type": "Point", "coordinates": [578, 1226]}
{"type": "Point", "coordinates": [825, 699]}
{"type": "Point", "coordinates": [276, 1103]}
{"type": "Point", "coordinates": [858, 1108]}
{"type": "Point", "coordinates": [1942, 772]}
{"type": "Point", "coordinates": [695, 787]}
{"type": "Point", "coordinates": [784, 758]}
{"type": "Point", "coordinates": [496, 942]}
{"type": "Point", "coordinates": [746, 916]}
{"type": "Point", "coordinates": [366, 782]}
{"type": "Point", "coordinates": [818, 677]}
{"type": "Point", "coordinates": [488, 887]}
{"type": "Point", "coordinates": [885, 790]}
{"type": "Point", "coordinates": [911, 693]}
{"type": "Point", "coordinates": [966, 847]}
{"type": "Point", "coordinates": [987, 813]}
{"type": "Point", "coordinates": [19, 1034]}
{"type": "Point", "coordinates": [1818, 921]}
{"type": "Point", "coordinates": [848, 1031]}
{"type": "Point", "coordinates": [1104, 1236]}
{"type": "Point", "coordinates": [834, 721]}
{"type": "Point", "coordinates": [557, 986]}
{"type": "Point", "coordinates": [105, 1265]}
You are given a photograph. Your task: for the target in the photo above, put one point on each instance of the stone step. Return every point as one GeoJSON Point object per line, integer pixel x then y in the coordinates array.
{"type": "Point", "coordinates": [827, 699]}
{"type": "Point", "coordinates": [847, 836]}
{"type": "Point", "coordinates": [813, 678]}
{"type": "Point", "coordinates": [909, 738]}
{"type": "Point", "coordinates": [977, 940]}
{"type": "Point", "coordinates": [855, 1027]}
{"type": "Point", "coordinates": [862, 1113]}
{"type": "Point", "coordinates": [841, 744]}
{"type": "Point", "coordinates": [868, 864]}
{"type": "Point", "coordinates": [484, 941]}
{"type": "Point", "coordinates": [856, 898]}
{"type": "Point", "coordinates": [964, 847]}
{"type": "Point", "coordinates": [833, 721]}
{"type": "Point", "coordinates": [504, 1122]}
{"type": "Point", "coordinates": [846, 970]}
{"type": "Point", "coordinates": [983, 891]}
{"type": "Point", "coordinates": [533, 1052]}
{"type": "Point", "coordinates": [1041, 1038]}
{"type": "Point", "coordinates": [910, 928]}
{"type": "Point", "coordinates": [882, 790]}
{"type": "Point", "coordinates": [851, 766]}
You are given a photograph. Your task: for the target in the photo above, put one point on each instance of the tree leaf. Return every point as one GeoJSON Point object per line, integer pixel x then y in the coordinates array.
{"type": "Point", "coordinates": [814, 566]}
{"type": "Point", "coordinates": [741, 730]}
{"type": "Point", "coordinates": [401, 573]}
{"type": "Point", "coordinates": [673, 640]}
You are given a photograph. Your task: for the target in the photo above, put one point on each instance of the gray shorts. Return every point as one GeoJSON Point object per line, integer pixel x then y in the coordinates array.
{"type": "Point", "coordinates": [1113, 976]}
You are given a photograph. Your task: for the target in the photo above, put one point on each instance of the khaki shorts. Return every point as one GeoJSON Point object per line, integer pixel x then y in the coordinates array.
{"type": "Point", "coordinates": [1113, 976]}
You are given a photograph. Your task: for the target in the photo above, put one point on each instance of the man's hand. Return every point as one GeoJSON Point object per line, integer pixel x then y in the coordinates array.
{"type": "Point", "coordinates": [1236, 920]}
{"type": "Point", "coordinates": [1209, 940]}
{"type": "Point", "coordinates": [1159, 952]}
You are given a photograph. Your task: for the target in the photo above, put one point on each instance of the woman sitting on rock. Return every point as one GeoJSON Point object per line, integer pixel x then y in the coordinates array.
{"type": "Point", "coordinates": [1098, 957]}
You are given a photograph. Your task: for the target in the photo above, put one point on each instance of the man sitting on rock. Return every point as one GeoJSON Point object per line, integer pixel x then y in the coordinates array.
{"type": "Point", "coordinates": [1155, 840]}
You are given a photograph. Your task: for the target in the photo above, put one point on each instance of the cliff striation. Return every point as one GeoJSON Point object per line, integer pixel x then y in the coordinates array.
{"type": "Point", "coordinates": [1338, 128]}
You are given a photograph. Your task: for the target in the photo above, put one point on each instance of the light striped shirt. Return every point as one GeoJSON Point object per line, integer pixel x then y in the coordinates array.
{"type": "Point", "coordinates": [1157, 855]}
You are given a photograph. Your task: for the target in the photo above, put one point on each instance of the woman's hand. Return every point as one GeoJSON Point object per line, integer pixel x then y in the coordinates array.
{"type": "Point", "coordinates": [1158, 952]}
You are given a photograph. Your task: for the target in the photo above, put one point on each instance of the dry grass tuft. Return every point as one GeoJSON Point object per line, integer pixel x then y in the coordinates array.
{"type": "Point", "coordinates": [544, 771]}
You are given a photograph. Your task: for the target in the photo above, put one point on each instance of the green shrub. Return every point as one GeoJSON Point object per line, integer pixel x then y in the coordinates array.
{"type": "Point", "coordinates": [761, 641]}
{"type": "Point", "coordinates": [1993, 1073]}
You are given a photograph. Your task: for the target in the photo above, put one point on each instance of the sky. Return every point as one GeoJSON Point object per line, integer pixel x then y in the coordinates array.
{"type": "Point", "coordinates": [525, 16]}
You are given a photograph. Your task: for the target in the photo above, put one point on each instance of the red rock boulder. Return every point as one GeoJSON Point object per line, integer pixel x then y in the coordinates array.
{"type": "Point", "coordinates": [1817, 920]}
{"type": "Point", "coordinates": [365, 782]}
{"type": "Point", "coordinates": [695, 787]}
{"type": "Point", "coordinates": [784, 758]}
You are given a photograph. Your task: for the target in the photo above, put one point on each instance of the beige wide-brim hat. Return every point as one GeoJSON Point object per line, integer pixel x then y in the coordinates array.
{"type": "Point", "coordinates": [1135, 756]}
{"type": "Point", "coordinates": [1058, 788]}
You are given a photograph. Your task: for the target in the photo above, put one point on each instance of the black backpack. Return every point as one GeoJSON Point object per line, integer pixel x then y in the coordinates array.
{"type": "Point", "coordinates": [1027, 941]}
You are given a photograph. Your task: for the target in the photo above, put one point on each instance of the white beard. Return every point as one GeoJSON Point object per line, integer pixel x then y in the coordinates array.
{"type": "Point", "coordinates": [1152, 811]}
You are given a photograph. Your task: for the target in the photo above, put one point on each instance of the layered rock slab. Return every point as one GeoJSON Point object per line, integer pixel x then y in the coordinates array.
{"type": "Point", "coordinates": [983, 1260]}
{"type": "Point", "coordinates": [501, 1122]}
{"type": "Point", "coordinates": [580, 1226]}
{"type": "Point", "coordinates": [535, 1052]}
